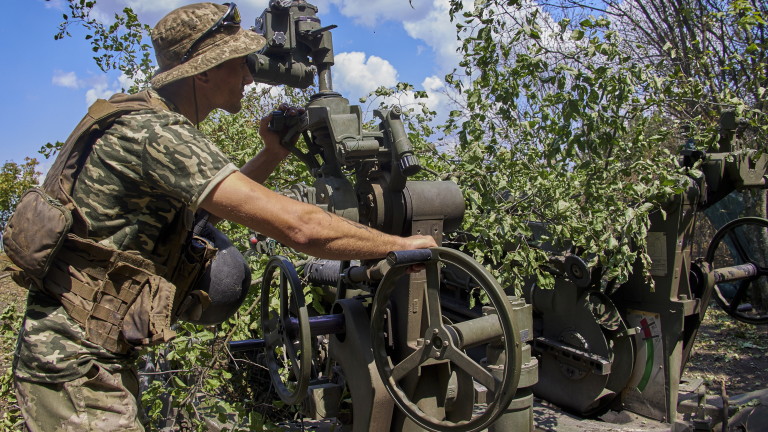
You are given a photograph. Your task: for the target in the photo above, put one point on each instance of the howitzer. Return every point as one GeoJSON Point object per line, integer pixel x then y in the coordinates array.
{"type": "Point", "coordinates": [626, 346]}
{"type": "Point", "coordinates": [410, 359]}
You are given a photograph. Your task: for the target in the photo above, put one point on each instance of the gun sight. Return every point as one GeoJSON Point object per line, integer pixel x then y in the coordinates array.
{"type": "Point", "coordinates": [297, 48]}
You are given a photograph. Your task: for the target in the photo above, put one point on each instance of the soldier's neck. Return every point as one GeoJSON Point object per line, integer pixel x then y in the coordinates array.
{"type": "Point", "coordinates": [188, 98]}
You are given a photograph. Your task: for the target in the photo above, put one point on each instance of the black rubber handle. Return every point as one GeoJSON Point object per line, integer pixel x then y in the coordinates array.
{"type": "Point", "coordinates": [408, 257]}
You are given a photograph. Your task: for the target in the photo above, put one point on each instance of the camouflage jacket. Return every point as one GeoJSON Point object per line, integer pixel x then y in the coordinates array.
{"type": "Point", "coordinates": [141, 172]}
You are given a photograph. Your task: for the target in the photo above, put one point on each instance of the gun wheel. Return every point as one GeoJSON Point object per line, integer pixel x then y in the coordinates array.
{"type": "Point", "coordinates": [285, 323]}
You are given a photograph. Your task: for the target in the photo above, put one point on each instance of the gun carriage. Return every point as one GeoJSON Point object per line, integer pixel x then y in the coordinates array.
{"type": "Point", "coordinates": [625, 347]}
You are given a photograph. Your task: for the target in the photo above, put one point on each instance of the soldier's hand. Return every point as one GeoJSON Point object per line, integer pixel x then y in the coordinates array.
{"type": "Point", "coordinates": [274, 126]}
{"type": "Point", "coordinates": [420, 242]}
{"type": "Point", "coordinates": [291, 111]}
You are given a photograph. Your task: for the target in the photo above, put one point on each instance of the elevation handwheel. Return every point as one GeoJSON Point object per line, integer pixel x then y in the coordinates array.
{"type": "Point", "coordinates": [285, 323]}
{"type": "Point", "coordinates": [445, 342]}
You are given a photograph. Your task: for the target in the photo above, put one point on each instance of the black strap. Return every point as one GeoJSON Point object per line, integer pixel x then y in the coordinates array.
{"type": "Point", "coordinates": [201, 222]}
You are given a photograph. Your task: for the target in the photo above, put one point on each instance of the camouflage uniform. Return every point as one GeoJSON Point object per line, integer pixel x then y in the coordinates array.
{"type": "Point", "coordinates": [147, 167]}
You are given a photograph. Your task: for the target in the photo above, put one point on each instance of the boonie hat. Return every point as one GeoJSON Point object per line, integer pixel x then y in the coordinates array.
{"type": "Point", "coordinates": [195, 38]}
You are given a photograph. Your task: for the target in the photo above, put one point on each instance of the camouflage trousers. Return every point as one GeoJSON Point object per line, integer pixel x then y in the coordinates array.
{"type": "Point", "coordinates": [99, 401]}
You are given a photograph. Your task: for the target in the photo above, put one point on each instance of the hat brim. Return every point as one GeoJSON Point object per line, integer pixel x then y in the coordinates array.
{"type": "Point", "coordinates": [239, 44]}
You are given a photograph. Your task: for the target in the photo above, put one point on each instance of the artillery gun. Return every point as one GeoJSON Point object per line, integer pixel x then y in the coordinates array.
{"type": "Point", "coordinates": [447, 348]}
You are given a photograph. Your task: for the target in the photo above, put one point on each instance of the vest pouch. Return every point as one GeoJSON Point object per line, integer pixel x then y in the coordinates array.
{"type": "Point", "coordinates": [117, 297]}
{"type": "Point", "coordinates": [148, 320]}
{"type": "Point", "coordinates": [36, 231]}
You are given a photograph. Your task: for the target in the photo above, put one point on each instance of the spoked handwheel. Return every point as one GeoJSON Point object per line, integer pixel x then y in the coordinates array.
{"type": "Point", "coordinates": [445, 342]}
{"type": "Point", "coordinates": [738, 254]}
{"type": "Point", "coordinates": [285, 323]}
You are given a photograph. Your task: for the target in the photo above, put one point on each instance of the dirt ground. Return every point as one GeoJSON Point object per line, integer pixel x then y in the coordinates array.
{"type": "Point", "coordinates": [731, 352]}
{"type": "Point", "coordinates": [726, 350]}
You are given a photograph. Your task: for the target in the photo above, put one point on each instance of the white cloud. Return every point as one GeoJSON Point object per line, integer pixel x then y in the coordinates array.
{"type": "Point", "coordinates": [125, 82]}
{"type": "Point", "coordinates": [435, 88]}
{"type": "Point", "coordinates": [98, 86]}
{"type": "Point", "coordinates": [273, 91]}
{"type": "Point", "coordinates": [424, 20]}
{"type": "Point", "coordinates": [436, 99]}
{"type": "Point", "coordinates": [65, 79]}
{"type": "Point", "coordinates": [100, 90]}
{"type": "Point", "coordinates": [54, 4]}
{"type": "Point", "coordinates": [254, 7]}
{"type": "Point", "coordinates": [355, 76]}
{"type": "Point", "coordinates": [438, 32]}
{"type": "Point", "coordinates": [369, 13]}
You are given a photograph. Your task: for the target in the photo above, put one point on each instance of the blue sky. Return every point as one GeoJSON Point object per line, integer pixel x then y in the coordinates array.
{"type": "Point", "coordinates": [47, 84]}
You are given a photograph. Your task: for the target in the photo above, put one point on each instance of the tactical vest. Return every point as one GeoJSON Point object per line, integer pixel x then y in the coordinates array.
{"type": "Point", "coordinates": [121, 299]}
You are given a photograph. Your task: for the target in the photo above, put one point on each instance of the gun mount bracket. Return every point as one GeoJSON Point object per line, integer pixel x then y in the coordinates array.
{"type": "Point", "coordinates": [575, 357]}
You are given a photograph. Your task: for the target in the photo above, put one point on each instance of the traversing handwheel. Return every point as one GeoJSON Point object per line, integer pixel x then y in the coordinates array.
{"type": "Point", "coordinates": [741, 244]}
{"type": "Point", "coordinates": [440, 344]}
{"type": "Point", "coordinates": [285, 323]}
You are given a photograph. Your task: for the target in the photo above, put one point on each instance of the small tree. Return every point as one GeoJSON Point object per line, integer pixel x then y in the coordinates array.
{"type": "Point", "coordinates": [561, 127]}
{"type": "Point", "coordinates": [15, 179]}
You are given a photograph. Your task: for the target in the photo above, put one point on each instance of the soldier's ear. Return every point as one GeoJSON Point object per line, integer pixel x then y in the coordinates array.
{"type": "Point", "coordinates": [203, 77]}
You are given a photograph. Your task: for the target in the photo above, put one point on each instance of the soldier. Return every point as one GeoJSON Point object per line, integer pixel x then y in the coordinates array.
{"type": "Point", "coordinates": [121, 274]}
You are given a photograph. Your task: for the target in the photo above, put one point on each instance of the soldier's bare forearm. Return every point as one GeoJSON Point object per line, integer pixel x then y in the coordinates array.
{"type": "Point", "coordinates": [302, 226]}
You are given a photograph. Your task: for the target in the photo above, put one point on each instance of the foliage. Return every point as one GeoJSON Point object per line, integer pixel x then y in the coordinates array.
{"type": "Point", "coordinates": [196, 380]}
{"type": "Point", "coordinates": [712, 55]}
{"type": "Point", "coordinates": [120, 46]}
{"type": "Point", "coordinates": [208, 381]}
{"type": "Point", "coordinates": [15, 179]}
{"type": "Point", "coordinates": [418, 120]}
{"type": "Point", "coordinates": [10, 322]}
{"type": "Point", "coordinates": [560, 127]}
{"type": "Point", "coordinates": [558, 121]}
{"type": "Point", "coordinates": [237, 134]}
